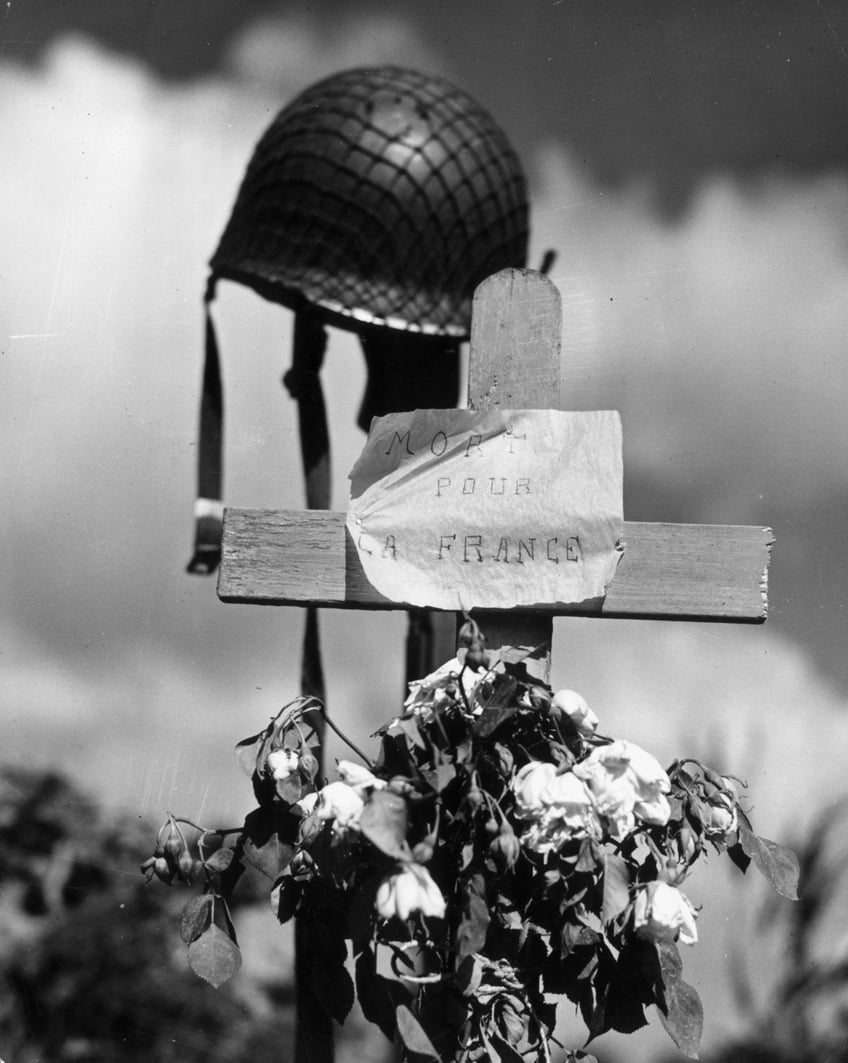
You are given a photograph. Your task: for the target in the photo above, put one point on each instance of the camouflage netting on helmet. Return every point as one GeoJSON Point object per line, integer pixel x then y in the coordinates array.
{"type": "Point", "coordinates": [382, 196]}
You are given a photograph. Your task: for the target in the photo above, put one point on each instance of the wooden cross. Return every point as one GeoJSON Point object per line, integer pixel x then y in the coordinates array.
{"type": "Point", "coordinates": [677, 571]}
{"type": "Point", "coordinates": [681, 571]}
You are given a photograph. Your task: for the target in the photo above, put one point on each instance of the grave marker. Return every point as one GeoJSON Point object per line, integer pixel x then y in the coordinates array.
{"type": "Point", "coordinates": [671, 571]}
{"type": "Point", "coordinates": [675, 571]}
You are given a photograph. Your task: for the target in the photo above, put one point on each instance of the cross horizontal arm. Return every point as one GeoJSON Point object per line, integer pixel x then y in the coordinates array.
{"type": "Point", "coordinates": [673, 571]}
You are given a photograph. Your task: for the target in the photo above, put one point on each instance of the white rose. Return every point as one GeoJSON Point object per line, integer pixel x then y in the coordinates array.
{"type": "Point", "coordinates": [662, 913]}
{"type": "Point", "coordinates": [573, 804]}
{"type": "Point", "coordinates": [358, 777]}
{"type": "Point", "coordinates": [530, 785]}
{"type": "Point", "coordinates": [576, 708]}
{"type": "Point", "coordinates": [340, 802]}
{"type": "Point", "coordinates": [283, 763]}
{"type": "Point", "coordinates": [410, 890]}
{"type": "Point", "coordinates": [560, 806]}
{"type": "Point", "coordinates": [308, 802]}
{"type": "Point", "coordinates": [628, 784]}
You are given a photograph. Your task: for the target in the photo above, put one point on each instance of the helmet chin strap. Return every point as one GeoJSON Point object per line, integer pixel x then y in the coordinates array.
{"type": "Point", "coordinates": [208, 507]}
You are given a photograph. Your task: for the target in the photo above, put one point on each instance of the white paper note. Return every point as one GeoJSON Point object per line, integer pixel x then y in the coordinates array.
{"type": "Point", "coordinates": [454, 509]}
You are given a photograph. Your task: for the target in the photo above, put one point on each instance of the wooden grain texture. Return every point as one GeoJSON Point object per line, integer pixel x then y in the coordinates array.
{"type": "Point", "coordinates": [514, 364]}
{"type": "Point", "coordinates": [516, 331]}
{"type": "Point", "coordinates": [673, 571]}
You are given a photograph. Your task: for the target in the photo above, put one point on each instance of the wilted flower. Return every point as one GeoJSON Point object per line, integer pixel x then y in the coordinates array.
{"type": "Point", "coordinates": [509, 1016]}
{"type": "Point", "coordinates": [410, 890]}
{"type": "Point", "coordinates": [628, 784]}
{"type": "Point", "coordinates": [282, 763]}
{"type": "Point", "coordinates": [530, 784]}
{"type": "Point", "coordinates": [339, 802]}
{"type": "Point", "coordinates": [576, 708]}
{"type": "Point", "coordinates": [720, 815]}
{"type": "Point", "coordinates": [559, 806]}
{"type": "Point", "coordinates": [661, 912]}
{"type": "Point", "coordinates": [359, 778]}
{"type": "Point", "coordinates": [437, 689]}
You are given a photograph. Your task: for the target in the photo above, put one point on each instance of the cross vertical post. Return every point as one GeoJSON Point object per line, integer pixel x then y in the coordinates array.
{"type": "Point", "coordinates": [516, 330]}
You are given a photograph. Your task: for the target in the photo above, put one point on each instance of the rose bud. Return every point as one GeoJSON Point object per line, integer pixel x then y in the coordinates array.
{"type": "Point", "coordinates": [721, 818]}
{"type": "Point", "coordinates": [185, 866]}
{"type": "Point", "coordinates": [301, 865]}
{"type": "Point", "coordinates": [148, 868]}
{"type": "Point", "coordinates": [686, 845]}
{"type": "Point", "coordinates": [308, 764]}
{"type": "Point", "coordinates": [573, 705]}
{"type": "Point", "coordinates": [505, 848]}
{"type": "Point", "coordinates": [159, 867]}
{"type": "Point", "coordinates": [174, 847]}
{"type": "Point", "coordinates": [662, 913]}
{"type": "Point", "coordinates": [476, 657]}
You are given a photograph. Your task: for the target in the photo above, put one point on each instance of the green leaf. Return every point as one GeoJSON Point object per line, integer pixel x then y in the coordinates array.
{"type": "Point", "coordinates": [574, 935]}
{"type": "Point", "coordinates": [361, 916]}
{"type": "Point", "coordinates": [589, 856]}
{"type": "Point", "coordinates": [384, 821]}
{"type": "Point", "coordinates": [439, 777]}
{"type": "Point", "coordinates": [263, 847]}
{"type": "Point", "coordinates": [214, 956]}
{"type": "Point", "coordinates": [284, 897]}
{"type": "Point", "coordinates": [332, 986]}
{"type": "Point", "coordinates": [290, 789]}
{"type": "Point", "coordinates": [616, 887]}
{"type": "Point", "coordinates": [492, 718]}
{"type": "Point", "coordinates": [501, 1049]}
{"type": "Point", "coordinates": [778, 864]}
{"type": "Point", "coordinates": [739, 857]}
{"type": "Point", "coordinates": [504, 692]}
{"type": "Point", "coordinates": [378, 996]}
{"type": "Point", "coordinates": [247, 751]}
{"type": "Point", "coordinates": [413, 1035]}
{"type": "Point", "coordinates": [471, 932]}
{"type": "Point", "coordinates": [683, 1014]}
{"type": "Point", "coordinates": [196, 917]}
{"type": "Point", "coordinates": [220, 860]}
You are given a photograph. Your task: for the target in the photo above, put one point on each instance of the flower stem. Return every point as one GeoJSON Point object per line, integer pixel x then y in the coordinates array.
{"type": "Point", "coordinates": [345, 739]}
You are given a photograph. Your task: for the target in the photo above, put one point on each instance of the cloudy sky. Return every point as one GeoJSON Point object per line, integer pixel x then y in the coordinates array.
{"type": "Point", "coordinates": [689, 163]}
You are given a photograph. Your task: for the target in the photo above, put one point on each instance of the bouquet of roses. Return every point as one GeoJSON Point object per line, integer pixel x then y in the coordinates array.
{"type": "Point", "coordinates": [497, 855]}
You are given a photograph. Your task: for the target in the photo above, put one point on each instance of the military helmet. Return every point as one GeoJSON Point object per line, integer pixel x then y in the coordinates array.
{"type": "Point", "coordinates": [376, 201]}
{"type": "Point", "coordinates": [381, 196]}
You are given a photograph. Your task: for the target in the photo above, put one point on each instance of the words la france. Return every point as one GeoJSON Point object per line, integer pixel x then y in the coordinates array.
{"type": "Point", "coordinates": [469, 546]}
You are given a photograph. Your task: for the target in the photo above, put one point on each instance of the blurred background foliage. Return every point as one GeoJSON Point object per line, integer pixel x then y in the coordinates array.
{"type": "Point", "coordinates": [93, 969]}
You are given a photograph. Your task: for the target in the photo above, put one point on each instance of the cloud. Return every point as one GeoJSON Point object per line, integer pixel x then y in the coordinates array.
{"type": "Point", "coordinates": [720, 337]}
{"type": "Point", "coordinates": [720, 340]}
{"type": "Point", "coordinates": [283, 54]}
